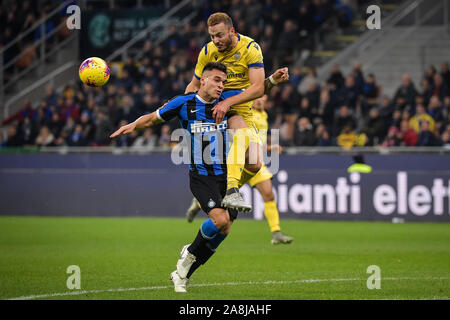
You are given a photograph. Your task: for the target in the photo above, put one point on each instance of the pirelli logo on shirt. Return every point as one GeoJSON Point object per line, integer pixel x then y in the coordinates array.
{"type": "Point", "coordinates": [202, 127]}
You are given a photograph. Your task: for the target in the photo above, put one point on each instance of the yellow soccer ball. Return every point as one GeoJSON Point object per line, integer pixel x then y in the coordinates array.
{"type": "Point", "coordinates": [94, 72]}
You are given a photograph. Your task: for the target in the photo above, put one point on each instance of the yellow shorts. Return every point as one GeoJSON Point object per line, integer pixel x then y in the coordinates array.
{"type": "Point", "coordinates": [246, 112]}
{"type": "Point", "coordinates": [262, 175]}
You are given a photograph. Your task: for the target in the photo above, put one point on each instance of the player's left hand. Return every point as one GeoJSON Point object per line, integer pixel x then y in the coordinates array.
{"type": "Point", "coordinates": [281, 75]}
{"type": "Point", "coordinates": [220, 110]}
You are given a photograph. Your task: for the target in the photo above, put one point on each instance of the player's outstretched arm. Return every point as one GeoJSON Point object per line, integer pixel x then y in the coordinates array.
{"type": "Point", "coordinates": [142, 122]}
{"type": "Point", "coordinates": [280, 75]}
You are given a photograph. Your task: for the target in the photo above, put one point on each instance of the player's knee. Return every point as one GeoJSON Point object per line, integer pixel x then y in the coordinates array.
{"type": "Point", "coordinates": [253, 167]}
{"type": "Point", "coordinates": [221, 221]}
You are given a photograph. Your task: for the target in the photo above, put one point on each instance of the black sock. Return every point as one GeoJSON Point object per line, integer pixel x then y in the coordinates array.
{"type": "Point", "coordinates": [200, 249]}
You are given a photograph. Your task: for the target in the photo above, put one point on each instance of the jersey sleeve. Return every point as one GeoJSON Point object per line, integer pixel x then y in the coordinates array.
{"type": "Point", "coordinates": [171, 109]}
{"type": "Point", "coordinates": [254, 55]}
{"type": "Point", "coordinates": [202, 60]}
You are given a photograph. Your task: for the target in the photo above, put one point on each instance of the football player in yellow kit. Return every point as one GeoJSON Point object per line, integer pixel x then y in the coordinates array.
{"type": "Point", "coordinates": [244, 61]}
{"type": "Point", "coordinates": [262, 181]}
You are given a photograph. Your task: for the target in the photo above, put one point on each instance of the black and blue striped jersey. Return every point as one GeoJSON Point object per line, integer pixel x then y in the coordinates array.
{"type": "Point", "coordinates": [208, 141]}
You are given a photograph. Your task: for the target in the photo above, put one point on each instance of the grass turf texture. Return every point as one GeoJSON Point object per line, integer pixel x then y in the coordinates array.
{"type": "Point", "coordinates": [140, 253]}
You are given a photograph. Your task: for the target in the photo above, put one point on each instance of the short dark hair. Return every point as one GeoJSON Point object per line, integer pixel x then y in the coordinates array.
{"type": "Point", "coordinates": [215, 66]}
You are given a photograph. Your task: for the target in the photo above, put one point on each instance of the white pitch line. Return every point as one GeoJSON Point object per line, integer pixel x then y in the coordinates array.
{"type": "Point", "coordinates": [270, 282]}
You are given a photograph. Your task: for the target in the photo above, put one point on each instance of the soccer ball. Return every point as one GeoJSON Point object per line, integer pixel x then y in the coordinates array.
{"type": "Point", "coordinates": [94, 72]}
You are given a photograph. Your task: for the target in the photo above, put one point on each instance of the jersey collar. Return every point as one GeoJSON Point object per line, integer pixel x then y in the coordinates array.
{"type": "Point", "coordinates": [203, 100]}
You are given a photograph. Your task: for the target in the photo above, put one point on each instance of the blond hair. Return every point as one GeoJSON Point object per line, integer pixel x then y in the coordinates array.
{"type": "Point", "coordinates": [220, 17]}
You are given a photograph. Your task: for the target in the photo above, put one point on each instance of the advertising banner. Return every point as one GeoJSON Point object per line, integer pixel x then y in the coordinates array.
{"type": "Point", "coordinates": [400, 187]}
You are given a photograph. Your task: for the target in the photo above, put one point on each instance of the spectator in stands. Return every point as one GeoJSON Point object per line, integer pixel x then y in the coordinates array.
{"type": "Point", "coordinates": [393, 138]}
{"type": "Point", "coordinates": [406, 90]}
{"type": "Point", "coordinates": [440, 89]}
{"type": "Point", "coordinates": [336, 77]}
{"type": "Point", "coordinates": [164, 139]}
{"type": "Point", "coordinates": [420, 116]}
{"type": "Point", "coordinates": [146, 142]}
{"type": "Point", "coordinates": [374, 128]}
{"type": "Point", "coordinates": [326, 107]}
{"type": "Point", "coordinates": [88, 128]}
{"type": "Point", "coordinates": [343, 118]}
{"type": "Point", "coordinates": [371, 91]}
{"type": "Point", "coordinates": [50, 96]}
{"type": "Point", "coordinates": [304, 134]}
{"type": "Point", "coordinates": [103, 129]}
{"type": "Point", "coordinates": [347, 137]}
{"type": "Point", "coordinates": [70, 109]}
{"type": "Point", "coordinates": [28, 131]}
{"type": "Point", "coordinates": [289, 103]}
{"type": "Point", "coordinates": [426, 90]}
{"type": "Point", "coordinates": [26, 111]}
{"type": "Point", "coordinates": [131, 68]}
{"type": "Point", "coordinates": [397, 118]}
{"type": "Point", "coordinates": [311, 77]}
{"type": "Point", "coordinates": [426, 136]}
{"type": "Point", "coordinates": [445, 139]}
{"type": "Point", "coordinates": [305, 109]}
{"type": "Point", "coordinates": [56, 124]}
{"type": "Point", "coordinates": [429, 75]}
{"type": "Point", "coordinates": [349, 93]}
{"type": "Point", "coordinates": [435, 109]}
{"type": "Point", "coordinates": [322, 136]}
{"type": "Point", "coordinates": [408, 136]}
{"type": "Point", "coordinates": [445, 73]}
{"type": "Point", "coordinates": [45, 137]}
{"type": "Point", "coordinates": [76, 138]}
{"type": "Point", "coordinates": [14, 139]}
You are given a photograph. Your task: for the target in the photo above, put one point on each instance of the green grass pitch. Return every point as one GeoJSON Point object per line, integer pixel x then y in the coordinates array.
{"type": "Point", "coordinates": [131, 258]}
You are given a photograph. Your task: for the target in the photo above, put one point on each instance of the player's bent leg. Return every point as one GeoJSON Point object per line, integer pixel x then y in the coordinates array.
{"type": "Point", "coordinates": [271, 211]}
{"type": "Point", "coordinates": [244, 152]}
{"type": "Point", "coordinates": [236, 155]}
{"type": "Point", "coordinates": [208, 238]}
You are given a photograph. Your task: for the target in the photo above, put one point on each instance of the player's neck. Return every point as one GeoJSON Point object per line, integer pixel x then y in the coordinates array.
{"type": "Point", "coordinates": [204, 97]}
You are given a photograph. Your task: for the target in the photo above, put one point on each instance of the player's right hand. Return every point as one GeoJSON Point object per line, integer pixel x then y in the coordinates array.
{"type": "Point", "coordinates": [281, 75]}
{"type": "Point", "coordinates": [129, 128]}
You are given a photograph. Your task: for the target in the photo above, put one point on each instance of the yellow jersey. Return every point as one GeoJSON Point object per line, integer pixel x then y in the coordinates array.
{"type": "Point", "coordinates": [260, 120]}
{"type": "Point", "coordinates": [246, 54]}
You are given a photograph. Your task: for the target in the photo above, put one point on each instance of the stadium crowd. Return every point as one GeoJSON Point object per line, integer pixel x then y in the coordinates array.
{"type": "Point", "coordinates": [346, 110]}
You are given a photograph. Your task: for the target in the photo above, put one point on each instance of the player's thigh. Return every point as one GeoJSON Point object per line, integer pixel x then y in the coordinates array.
{"type": "Point", "coordinates": [236, 121]}
{"type": "Point", "coordinates": [207, 190]}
